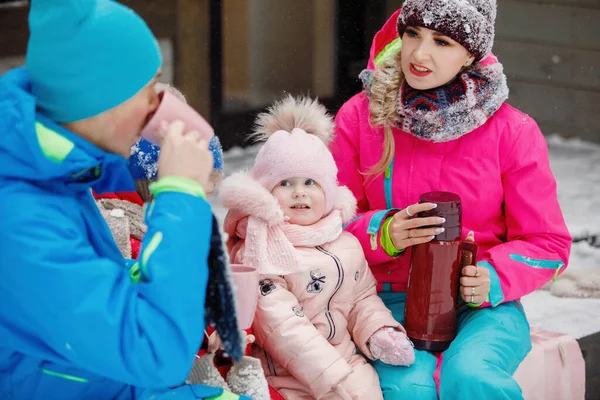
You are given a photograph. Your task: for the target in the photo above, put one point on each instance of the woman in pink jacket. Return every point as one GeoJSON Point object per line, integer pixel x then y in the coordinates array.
{"type": "Point", "coordinates": [318, 299]}
{"type": "Point", "coordinates": [433, 117]}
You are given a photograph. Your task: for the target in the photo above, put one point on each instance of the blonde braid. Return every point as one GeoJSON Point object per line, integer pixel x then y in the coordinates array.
{"type": "Point", "coordinates": [383, 110]}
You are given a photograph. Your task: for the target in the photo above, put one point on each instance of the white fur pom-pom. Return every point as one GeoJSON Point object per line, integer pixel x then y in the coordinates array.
{"type": "Point", "coordinates": [346, 203]}
{"type": "Point", "coordinates": [295, 112]}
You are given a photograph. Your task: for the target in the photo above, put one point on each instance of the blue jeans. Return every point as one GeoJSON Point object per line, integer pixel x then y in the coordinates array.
{"type": "Point", "coordinates": [479, 364]}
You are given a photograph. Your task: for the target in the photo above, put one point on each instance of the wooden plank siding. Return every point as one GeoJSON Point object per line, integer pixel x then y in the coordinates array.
{"type": "Point", "coordinates": [594, 4]}
{"type": "Point", "coordinates": [550, 65]}
{"type": "Point", "coordinates": [550, 50]}
{"type": "Point", "coordinates": [192, 53]}
{"type": "Point", "coordinates": [185, 22]}
{"type": "Point", "coordinates": [548, 24]}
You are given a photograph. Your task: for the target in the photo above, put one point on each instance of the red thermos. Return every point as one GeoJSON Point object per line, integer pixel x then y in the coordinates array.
{"type": "Point", "coordinates": [432, 297]}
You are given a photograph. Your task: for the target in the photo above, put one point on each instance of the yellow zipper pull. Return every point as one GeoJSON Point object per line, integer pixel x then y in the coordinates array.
{"type": "Point", "coordinates": [557, 271]}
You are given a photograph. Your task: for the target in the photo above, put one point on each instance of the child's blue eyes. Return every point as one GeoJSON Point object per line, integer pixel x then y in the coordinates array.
{"type": "Point", "coordinates": [308, 182]}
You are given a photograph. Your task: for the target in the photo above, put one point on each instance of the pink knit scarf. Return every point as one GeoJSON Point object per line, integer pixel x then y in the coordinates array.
{"type": "Point", "coordinates": [272, 249]}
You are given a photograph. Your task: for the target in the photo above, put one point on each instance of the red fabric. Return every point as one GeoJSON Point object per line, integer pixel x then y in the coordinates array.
{"type": "Point", "coordinates": [275, 394]}
{"type": "Point", "coordinates": [384, 37]}
{"type": "Point", "coordinates": [438, 370]}
{"type": "Point", "coordinates": [132, 197]}
{"type": "Point", "coordinates": [135, 247]}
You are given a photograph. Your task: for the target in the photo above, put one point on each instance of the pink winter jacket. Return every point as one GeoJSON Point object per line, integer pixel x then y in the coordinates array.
{"type": "Point", "coordinates": [308, 323]}
{"type": "Point", "coordinates": [501, 171]}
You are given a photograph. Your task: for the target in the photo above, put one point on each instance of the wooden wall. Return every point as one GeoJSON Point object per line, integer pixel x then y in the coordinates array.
{"type": "Point", "coordinates": [550, 50]}
{"type": "Point", "coordinates": [184, 22]}
{"type": "Point", "coordinates": [551, 54]}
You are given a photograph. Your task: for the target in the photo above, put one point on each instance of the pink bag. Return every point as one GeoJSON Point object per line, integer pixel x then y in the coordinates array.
{"type": "Point", "coordinates": [553, 370]}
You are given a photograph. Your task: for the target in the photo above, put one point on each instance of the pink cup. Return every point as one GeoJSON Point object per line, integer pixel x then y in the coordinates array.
{"type": "Point", "coordinates": [245, 279]}
{"type": "Point", "coordinates": [172, 108]}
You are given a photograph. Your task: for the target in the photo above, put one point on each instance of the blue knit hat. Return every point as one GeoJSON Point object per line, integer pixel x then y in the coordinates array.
{"type": "Point", "coordinates": [144, 158]}
{"type": "Point", "coordinates": [85, 57]}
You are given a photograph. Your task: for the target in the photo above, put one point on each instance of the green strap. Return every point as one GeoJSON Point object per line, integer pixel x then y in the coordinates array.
{"type": "Point", "coordinates": [134, 273]}
{"type": "Point", "coordinates": [225, 396]}
{"type": "Point", "coordinates": [177, 184]}
{"type": "Point", "coordinates": [386, 241]}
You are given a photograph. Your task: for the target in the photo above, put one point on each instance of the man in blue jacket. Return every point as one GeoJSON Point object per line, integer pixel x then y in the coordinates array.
{"type": "Point", "coordinates": [77, 321]}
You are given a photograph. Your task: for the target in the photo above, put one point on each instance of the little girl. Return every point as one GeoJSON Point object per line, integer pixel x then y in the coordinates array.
{"type": "Point", "coordinates": [318, 299]}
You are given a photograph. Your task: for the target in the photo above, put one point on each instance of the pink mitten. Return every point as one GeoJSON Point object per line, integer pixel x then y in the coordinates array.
{"type": "Point", "coordinates": [392, 347]}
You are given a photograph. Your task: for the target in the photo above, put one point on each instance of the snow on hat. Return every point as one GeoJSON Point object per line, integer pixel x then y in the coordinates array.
{"type": "Point", "coordinates": [85, 57]}
{"type": "Point", "coordinates": [297, 133]}
{"type": "Point", "coordinates": [469, 22]}
{"type": "Point", "coordinates": [143, 161]}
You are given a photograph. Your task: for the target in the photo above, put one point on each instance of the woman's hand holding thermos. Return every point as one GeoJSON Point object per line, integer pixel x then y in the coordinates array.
{"type": "Point", "coordinates": [406, 231]}
{"type": "Point", "coordinates": [475, 281]}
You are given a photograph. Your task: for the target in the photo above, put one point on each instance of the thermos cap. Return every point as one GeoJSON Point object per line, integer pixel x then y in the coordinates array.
{"type": "Point", "coordinates": [449, 207]}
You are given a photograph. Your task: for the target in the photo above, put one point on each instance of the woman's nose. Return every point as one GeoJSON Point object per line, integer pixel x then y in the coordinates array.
{"type": "Point", "coordinates": [421, 51]}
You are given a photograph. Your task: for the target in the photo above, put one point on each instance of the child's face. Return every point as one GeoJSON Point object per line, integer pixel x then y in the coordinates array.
{"type": "Point", "coordinates": [301, 199]}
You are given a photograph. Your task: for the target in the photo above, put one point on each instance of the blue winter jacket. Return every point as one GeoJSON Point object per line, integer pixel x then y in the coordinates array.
{"type": "Point", "coordinates": [77, 320]}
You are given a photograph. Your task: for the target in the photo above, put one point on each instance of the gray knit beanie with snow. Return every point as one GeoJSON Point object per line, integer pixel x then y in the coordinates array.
{"type": "Point", "coordinates": [469, 22]}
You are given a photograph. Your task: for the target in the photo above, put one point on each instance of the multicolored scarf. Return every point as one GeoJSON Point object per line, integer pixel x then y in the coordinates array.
{"type": "Point", "coordinates": [450, 111]}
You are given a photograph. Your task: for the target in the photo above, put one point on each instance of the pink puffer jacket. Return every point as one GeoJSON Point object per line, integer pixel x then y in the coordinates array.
{"type": "Point", "coordinates": [501, 171]}
{"type": "Point", "coordinates": [309, 322]}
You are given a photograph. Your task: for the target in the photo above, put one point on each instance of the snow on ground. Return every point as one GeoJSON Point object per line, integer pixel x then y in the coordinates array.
{"type": "Point", "coordinates": [576, 165]}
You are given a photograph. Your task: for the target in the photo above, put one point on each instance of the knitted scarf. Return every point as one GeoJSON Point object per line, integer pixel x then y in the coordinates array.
{"type": "Point", "coordinates": [450, 111]}
{"type": "Point", "coordinates": [220, 306]}
{"type": "Point", "coordinates": [272, 249]}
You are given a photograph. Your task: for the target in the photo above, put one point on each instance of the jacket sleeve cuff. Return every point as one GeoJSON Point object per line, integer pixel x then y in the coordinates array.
{"type": "Point", "coordinates": [177, 184]}
{"type": "Point", "coordinates": [496, 295]}
{"type": "Point", "coordinates": [386, 241]}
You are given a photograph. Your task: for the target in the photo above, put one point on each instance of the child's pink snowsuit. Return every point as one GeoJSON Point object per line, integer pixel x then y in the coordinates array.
{"type": "Point", "coordinates": [309, 322]}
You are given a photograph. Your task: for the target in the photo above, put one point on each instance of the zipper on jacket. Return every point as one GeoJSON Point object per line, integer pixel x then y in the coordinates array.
{"type": "Point", "coordinates": [387, 184]}
{"type": "Point", "coordinates": [539, 263]}
{"type": "Point", "coordinates": [378, 217]}
{"type": "Point", "coordinates": [338, 285]}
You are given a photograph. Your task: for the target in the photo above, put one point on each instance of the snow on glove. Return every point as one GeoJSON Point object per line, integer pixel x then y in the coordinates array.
{"type": "Point", "coordinates": [392, 347]}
